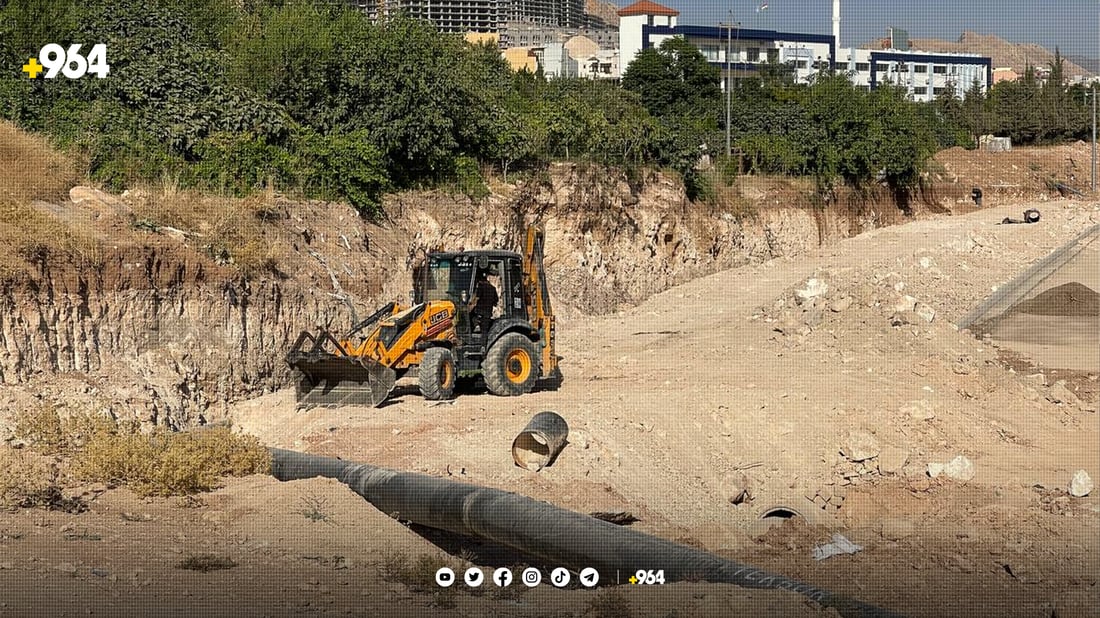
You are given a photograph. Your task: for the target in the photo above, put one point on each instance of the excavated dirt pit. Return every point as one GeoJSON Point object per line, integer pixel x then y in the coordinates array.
{"type": "Point", "coordinates": [727, 357]}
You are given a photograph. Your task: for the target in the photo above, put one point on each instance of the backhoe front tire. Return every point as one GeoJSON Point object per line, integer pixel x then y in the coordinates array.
{"type": "Point", "coordinates": [511, 367]}
{"type": "Point", "coordinates": [437, 375]}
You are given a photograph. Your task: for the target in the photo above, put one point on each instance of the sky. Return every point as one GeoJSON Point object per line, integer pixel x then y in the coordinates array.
{"type": "Point", "coordinates": [1071, 25]}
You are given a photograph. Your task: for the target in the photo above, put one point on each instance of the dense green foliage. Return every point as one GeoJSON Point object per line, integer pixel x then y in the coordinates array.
{"type": "Point", "coordinates": [830, 130]}
{"type": "Point", "coordinates": [1026, 110]}
{"type": "Point", "coordinates": [311, 97]}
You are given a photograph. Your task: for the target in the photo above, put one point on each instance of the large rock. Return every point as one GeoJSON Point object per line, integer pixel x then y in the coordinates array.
{"type": "Point", "coordinates": [812, 289]}
{"type": "Point", "coordinates": [892, 459]}
{"type": "Point", "coordinates": [1081, 485]}
{"type": "Point", "coordinates": [925, 312]}
{"type": "Point", "coordinates": [812, 318]}
{"type": "Point", "coordinates": [98, 201]}
{"type": "Point", "coordinates": [904, 304]}
{"type": "Point", "coordinates": [919, 410]}
{"type": "Point", "coordinates": [959, 469]}
{"type": "Point", "coordinates": [841, 304]}
{"type": "Point", "coordinates": [1036, 378]}
{"type": "Point", "coordinates": [1060, 394]}
{"type": "Point", "coordinates": [860, 446]}
{"type": "Point", "coordinates": [738, 488]}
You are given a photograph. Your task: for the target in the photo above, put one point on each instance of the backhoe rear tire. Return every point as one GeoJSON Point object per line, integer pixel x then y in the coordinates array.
{"type": "Point", "coordinates": [437, 375]}
{"type": "Point", "coordinates": [511, 367]}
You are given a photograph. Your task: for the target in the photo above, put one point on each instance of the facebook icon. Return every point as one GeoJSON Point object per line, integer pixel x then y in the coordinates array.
{"type": "Point", "coordinates": [502, 578]}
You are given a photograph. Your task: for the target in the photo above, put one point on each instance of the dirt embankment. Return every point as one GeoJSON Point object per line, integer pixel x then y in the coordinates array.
{"type": "Point", "coordinates": [154, 320]}
{"type": "Point", "coordinates": [1019, 174]}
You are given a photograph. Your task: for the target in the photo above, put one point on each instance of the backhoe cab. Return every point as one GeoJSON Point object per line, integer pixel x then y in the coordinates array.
{"type": "Point", "coordinates": [438, 335]}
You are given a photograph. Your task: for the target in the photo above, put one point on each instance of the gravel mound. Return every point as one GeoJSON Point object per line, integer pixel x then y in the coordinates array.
{"type": "Point", "coordinates": [1070, 299]}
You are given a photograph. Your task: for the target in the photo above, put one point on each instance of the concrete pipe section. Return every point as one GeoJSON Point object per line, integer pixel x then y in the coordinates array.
{"type": "Point", "coordinates": [540, 442]}
{"type": "Point", "coordinates": [541, 530]}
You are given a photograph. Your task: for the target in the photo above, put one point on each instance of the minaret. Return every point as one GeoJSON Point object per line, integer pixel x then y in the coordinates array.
{"type": "Point", "coordinates": [836, 25]}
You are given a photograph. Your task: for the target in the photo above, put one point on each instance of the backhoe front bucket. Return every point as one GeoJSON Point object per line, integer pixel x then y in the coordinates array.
{"type": "Point", "coordinates": [329, 379]}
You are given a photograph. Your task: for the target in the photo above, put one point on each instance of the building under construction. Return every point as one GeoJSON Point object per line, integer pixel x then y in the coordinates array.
{"type": "Point", "coordinates": [554, 13]}
{"type": "Point", "coordinates": [480, 15]}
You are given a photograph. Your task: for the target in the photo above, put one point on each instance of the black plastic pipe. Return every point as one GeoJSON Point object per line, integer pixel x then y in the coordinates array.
{"type": "Point", "coordinates": [550, 533]}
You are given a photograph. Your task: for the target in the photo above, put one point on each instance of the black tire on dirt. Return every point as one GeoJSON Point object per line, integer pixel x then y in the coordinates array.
{"type": "Point", "coordinates": [437, 374]}
{"type": "Point", "coordinates": [511, 367]}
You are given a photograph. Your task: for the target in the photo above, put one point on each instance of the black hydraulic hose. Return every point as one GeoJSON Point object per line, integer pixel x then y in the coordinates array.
{"type": "Point", "coordinates": [539, 529]}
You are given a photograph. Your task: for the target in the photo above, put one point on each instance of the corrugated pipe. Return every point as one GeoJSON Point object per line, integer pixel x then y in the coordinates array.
{"type": "Point", "coordinates": [553, 534]}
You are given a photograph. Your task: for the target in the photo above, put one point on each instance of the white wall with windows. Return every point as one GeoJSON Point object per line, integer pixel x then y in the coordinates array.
{"type": "Point", "coordinates": [923, 75]}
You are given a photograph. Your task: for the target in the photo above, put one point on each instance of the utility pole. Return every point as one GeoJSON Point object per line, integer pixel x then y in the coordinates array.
{"type": "Point", "coordinates": [729, 87]}
{"type": "Point", "coordinates": [1094, 136]}
{"type": "Point", "coordinates": [729, 75]}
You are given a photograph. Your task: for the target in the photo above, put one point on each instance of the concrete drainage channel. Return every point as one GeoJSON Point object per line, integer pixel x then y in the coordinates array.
{"type": "Point", "coordinates": [1035, 279]}
{"type": "Point", "coordinates": [543, 531]}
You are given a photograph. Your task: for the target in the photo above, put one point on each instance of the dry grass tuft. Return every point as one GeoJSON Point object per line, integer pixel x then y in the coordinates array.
{"type": "Point", "coordinates": [163, 463]}
{"type": "Point", "coordinates": [30, 169]}
{"type": "Point", "coordinates": [49, 433]}
{"type": "Point", "coordinates": [24, 478]}
{"type": "Point", "coordinates": [230, 230]}
{"type": "Point", "coordinates": [206, 563]}
{"type": "Point", "coordinates": [159, 463]}
{"type": "Point", "coordinates": [316, 508]}
{"type": "Point", "coordinates": [29, 480]}
{"type": "Point", "coordinates": [419, 575]}
{"type": "Point", "coordinates": [32, 236]}
{"type": "Point", "coordinates": [610, 603]}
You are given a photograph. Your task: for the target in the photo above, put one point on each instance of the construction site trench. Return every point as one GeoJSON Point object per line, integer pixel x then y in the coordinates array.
{"type": "Point", "coordinates": [841, 363]}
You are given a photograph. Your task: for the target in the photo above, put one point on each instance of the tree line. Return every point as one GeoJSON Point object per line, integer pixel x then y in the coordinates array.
{"type": "Point", "coordinates": [236, 95]}
{"type": "Point", "coordinates": [833, 130]}
{"type": "Point", "coordinates": [1028, 110]}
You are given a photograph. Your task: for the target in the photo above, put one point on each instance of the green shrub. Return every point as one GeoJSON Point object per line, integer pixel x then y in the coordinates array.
{"type": "Point", "coordinates": [729, 168]}
{"type": "Point", "coordinates": [343, 165]}
{"type": "Point", "coordinates": [238, 164]}
{"type": "Point", "coordinates": [699, 187]}
{"type": "Point", "coordinates": [771, 154]}
{"type": "Point", "coordinates": [468, 179]}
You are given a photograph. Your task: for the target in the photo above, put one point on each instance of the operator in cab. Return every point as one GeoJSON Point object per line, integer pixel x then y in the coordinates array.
{"type": "Point", "coordinates": [484, 300]}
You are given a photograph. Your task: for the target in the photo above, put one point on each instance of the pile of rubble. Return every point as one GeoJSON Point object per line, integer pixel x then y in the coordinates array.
{"type": "Point", "coordinates": [811, 305]}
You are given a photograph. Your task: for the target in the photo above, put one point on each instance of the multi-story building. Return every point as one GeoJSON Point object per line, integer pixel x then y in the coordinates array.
{"type": "Point", "coordinates": [482, 15]}
{"type": "Point", "coordinates": [646, 24]}
{"type": "Point", "coordinates": [555, 13]}
{"type": "Point", "coordinates": [604, 64]}
{"type": "Point", "coordinates": [634, 21]}
{"type": "Point", "coordinates": [555, 61]}
{"type": "Point", "coordinates": [523, 34]}
{"type": "Point", "coordinates": [447, 15]}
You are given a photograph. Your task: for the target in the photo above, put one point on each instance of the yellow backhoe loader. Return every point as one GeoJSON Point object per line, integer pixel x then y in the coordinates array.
{"type": "Point", "coordinates": [439, 337]}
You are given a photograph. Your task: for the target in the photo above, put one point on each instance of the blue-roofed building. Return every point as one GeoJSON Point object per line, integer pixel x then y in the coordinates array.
{"type": "Point", "coordinates": [646, 24]}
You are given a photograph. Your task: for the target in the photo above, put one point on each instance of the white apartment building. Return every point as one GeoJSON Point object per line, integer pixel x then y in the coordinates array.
{"type": "Point", "coordinates": [924, 75]}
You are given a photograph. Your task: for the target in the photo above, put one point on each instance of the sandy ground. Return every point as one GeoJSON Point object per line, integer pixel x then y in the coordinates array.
{"type": "Point", "coordinates": [669, 404]}
{"type": "Point", "coordinates": [1055, 322]}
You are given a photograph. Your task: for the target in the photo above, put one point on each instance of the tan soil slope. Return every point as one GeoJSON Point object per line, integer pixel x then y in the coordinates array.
{"type": "Point", "coordinates": [1019, 174]}
{"type": "Point", "coordinates": [668, 402]}
{"type": "Point", "coordinates": [727, 375]}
